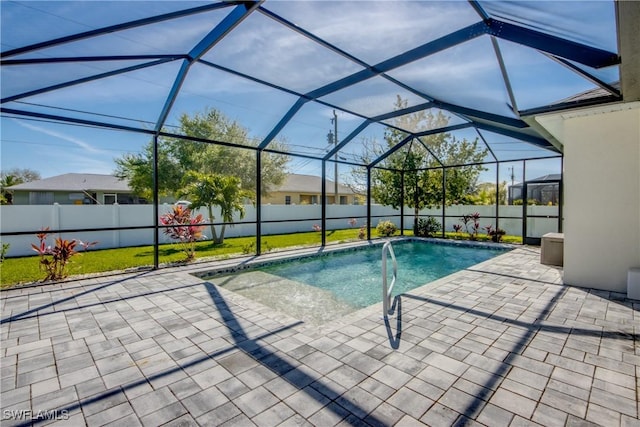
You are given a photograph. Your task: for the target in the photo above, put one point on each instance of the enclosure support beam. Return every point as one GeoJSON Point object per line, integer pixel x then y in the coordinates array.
{"type": "Point", "coordinates": [392, 150]}
{"type": "Point", "coordinates": [258, 202]}
{"type": "Point", "coordinates": [402, 203]}
{"type": "Point", "coordinates": [283, 122]}
{"type": "Point", "coordinates": [156, 219]}
{"type": "Point", "coordinates": [324, 204]}
{"type": "Point", "coordinates": [113, 29]}
{"type": "Point", "coordinates": [84, 80]}
{"type": "Point", "coordinates": [524, 202]}
{"type": "Point", "coordinates": [444, 199]}
{"type": "Point", "coordinates": [368, 202]}
{"type": "Point", "coordinates": [498, 195]}
{"type": "Point", "coordinates": [345, 141]}
{"type": "Point", "coordinates": [232, 20]}
{"type": "Point", "coordinates": [518, 135]}
{"type": "Point", "coordinates": [584, 54]}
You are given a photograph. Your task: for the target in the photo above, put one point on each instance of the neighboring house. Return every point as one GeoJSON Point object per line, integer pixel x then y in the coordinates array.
{"type": "Point", "coordinates": [92, 189]}
{"type": "Point", "coordinates": [307, 190]}
{"type": "Point", "coordinates": [75, 189]}
{"type": "Point", "coordinates": [544, 190]}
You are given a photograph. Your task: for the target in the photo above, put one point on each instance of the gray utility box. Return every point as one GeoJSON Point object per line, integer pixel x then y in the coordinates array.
{"type": "Point", "coordinates": [552, 250]}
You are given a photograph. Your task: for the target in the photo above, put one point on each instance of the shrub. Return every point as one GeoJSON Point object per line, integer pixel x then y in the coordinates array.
{"type": "Point", "coordinates": [249, 248]}
{"type": "Point", "coordinates": [457, 228]}
{"type": "Point", "coordinates": [386, 228]}
{"type": "Point", "coordinates": [362, 233]}
{"type": "Point", "coordinates": [3, 251]}
{"type": "Point", "coordinates": [426, 227]}
{"type": "Point", "coordinates": [54, 260]}
{"type": "Point", "coordinates": [496, 234]}
{"type": "Point", "coordinates": [471, 224]}
{"type": "Point", "coordinates": [183, 228]}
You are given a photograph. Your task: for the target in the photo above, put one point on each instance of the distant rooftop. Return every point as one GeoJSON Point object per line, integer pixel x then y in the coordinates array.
{"type": "Point", "coordinates": [75, 182]}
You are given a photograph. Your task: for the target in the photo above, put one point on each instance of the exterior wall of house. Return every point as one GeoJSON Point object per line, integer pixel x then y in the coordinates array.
{"type": "Point", "coordinates": [602, 193]}
{"type": "Point", "coordinates": [70, 198]}
{"type": "Point", "coordinates": [297, 198]}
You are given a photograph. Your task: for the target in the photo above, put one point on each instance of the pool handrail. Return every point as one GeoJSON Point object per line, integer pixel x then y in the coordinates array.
{"type": "Point", "coordinates": [387, 248]}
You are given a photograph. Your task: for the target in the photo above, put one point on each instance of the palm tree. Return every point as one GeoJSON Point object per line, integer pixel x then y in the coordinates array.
{"type": "Point", "coordinates": [216, 190]}
{"type": "Point", "coordinates": [7, 195]}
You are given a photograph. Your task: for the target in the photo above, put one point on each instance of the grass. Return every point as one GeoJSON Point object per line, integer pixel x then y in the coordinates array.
{"type": "Point", "coordinates": [26, 269]}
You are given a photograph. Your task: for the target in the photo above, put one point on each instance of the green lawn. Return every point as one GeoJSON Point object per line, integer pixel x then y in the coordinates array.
{"type": "Point", "coordinates": [26, 269]}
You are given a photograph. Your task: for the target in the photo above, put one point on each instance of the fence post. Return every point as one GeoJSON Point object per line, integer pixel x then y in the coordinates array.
{"type": "Point", "coordinates": [116, 223]}
{"type": "Point", "coordinates": [55, 216]}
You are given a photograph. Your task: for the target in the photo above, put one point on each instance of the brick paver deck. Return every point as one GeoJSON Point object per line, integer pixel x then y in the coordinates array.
{"type": "Point", "coordinates": [501, 343]}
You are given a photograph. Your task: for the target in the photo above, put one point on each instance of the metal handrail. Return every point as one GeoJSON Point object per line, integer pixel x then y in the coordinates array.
{"type": "Point", "coordinates": [386, 290]}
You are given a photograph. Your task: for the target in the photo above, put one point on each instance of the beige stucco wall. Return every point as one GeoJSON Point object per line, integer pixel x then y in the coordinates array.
{"type": "Point", "coordinates": [278, 198]}
{"type": "Point", "coordinates": [602, 193]}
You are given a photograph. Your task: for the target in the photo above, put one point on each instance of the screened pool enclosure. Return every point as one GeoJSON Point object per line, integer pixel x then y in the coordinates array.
{"type": "Point", "coordinates": [412, 108]}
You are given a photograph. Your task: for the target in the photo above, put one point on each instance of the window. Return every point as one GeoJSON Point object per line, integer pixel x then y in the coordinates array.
{"type": "Point", "coordinates": [287, 200]}
{"type": "Point", "coordinates": [41, 198]}
{"type": "Point", "coordinates": [343, 200]}
{"type": "Point", "coordinates": [109, 199]}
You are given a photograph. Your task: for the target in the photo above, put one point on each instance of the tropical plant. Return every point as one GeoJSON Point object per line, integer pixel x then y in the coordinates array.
{"type": "Point", "coordinates": [386, 228]}
{"type": "Point", "coordinates": [457, 228]}
{"type": "Point", "coordinates": [54, 259]}
{"type": "Point", "coordinates": [427, 227]}
{"type": "Point", "coordinates": [183, 228]}
{"type": "Point", "coordinates": [362, 233]}
{"type": "Point", "coordinates": [471, 224]}
{"type": "Point", "coordinates": [3, 251]}
{"type": "Point", "coordinates": [209, 190]}
{"type": "Point", "coordinates": [495, 233]}
{"type": "Point", "coordinates": [13, 177]}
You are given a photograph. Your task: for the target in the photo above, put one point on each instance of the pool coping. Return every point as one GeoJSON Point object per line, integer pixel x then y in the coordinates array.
{"type": "Point", "coordinates": [263, 260]}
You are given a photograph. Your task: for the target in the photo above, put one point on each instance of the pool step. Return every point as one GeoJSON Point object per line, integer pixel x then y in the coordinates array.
{"type": "Point", "coordinates": [301, 301]}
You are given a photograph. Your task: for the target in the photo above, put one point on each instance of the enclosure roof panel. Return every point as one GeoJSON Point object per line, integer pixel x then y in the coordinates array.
{"type": "Point", "coordinates": [285, 69]}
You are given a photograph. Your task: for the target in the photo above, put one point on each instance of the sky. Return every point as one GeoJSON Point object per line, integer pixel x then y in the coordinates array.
{"type": "Point", "coordinates": [468, 74]}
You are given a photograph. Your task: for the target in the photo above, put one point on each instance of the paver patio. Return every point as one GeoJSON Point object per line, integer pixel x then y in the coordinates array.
{"type": "Point", "coordinates": [501, 343]}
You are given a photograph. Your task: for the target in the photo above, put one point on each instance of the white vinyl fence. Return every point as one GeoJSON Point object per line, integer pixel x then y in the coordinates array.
{"type": "Point", "coordinates": [287, 219]}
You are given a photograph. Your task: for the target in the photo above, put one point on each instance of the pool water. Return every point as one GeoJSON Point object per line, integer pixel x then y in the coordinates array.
{"type": "Point", "coordinates": [355, 277]}
{"type": "Point", "coordinates": [320, 288]}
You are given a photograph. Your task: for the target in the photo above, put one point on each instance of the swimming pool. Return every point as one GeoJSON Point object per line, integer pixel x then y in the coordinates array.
{"type": "Point", "coordinates": [319, 288]}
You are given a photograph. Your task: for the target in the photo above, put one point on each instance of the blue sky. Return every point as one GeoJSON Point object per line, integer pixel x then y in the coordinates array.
{"type": "Point", "coordinates": [373, 31]}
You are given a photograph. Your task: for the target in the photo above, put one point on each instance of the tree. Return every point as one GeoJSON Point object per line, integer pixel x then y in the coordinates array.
{"type": "Point", "coordinates": [208, 190]}
{"type": "Point", "coordinates": [176, 157]}
{"type": "Point", "coordinates": [13, 177]}
{"type": "Point", "coordinates": [422, 160]}
{"type": "Point", "coordinates": [486, 194]}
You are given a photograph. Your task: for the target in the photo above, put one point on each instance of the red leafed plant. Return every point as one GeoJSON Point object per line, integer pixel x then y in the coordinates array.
{"type": "Point", "coordinates": [183, 228]}
{"type": "Point", "coordinates": [54, 259]}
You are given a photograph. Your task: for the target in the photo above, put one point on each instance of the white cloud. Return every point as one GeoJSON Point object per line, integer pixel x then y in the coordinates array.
{"type": "Point", "coordinates": [76, 141]}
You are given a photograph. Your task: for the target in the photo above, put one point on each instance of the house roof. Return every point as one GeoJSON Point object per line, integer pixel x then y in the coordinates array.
{"type": "Point", "coordinates": [97, 182]}
{"type": "Point", "coordinates": [297, 183]}
{"type": "Point", "coordinates": [75, 182]}
{"type": "Point", "coordinates": [541, 179]}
